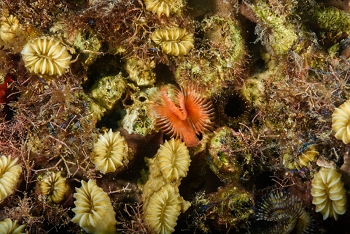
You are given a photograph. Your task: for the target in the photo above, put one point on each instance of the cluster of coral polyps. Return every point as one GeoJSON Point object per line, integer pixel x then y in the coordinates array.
{"type": "Point", "coordinates": [162, 201]}
{"type": "Point", "coordinates": [160, 116]}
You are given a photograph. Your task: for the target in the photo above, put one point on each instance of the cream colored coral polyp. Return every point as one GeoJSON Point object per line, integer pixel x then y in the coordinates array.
{"type": "Point", "coordinates": [341, 122]}
{"type": "Point", "coordinates": [329, 194]}
{"type": "Point", "coordinates": [110, 152]}
{"type": "Point", "coordinates": [93, 209]}
{"type": "Point", "coordinates": [10, 172]}
{"type": "Point", "coordinates": [11, 227]}
{"type": "Point", "coordinates": [163, 209]}
{"type": "Point", "coordinates": [8, 27]}
{"type": "Point", "coordinates": [173, 159]}
{"type": "Point", "coordinates": [174, 41]}
{"type": "Point", "coordinates": [54, 186]}
{"type": "Point", "coordinates": [46, 56]}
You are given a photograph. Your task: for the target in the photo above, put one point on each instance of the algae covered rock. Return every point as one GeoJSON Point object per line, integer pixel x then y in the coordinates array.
{"type": "Point", "coordinates": [108, 90]}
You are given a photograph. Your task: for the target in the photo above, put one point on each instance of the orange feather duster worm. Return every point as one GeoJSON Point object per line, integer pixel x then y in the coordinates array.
{"type": "Point", "coordinates": [182, 113]}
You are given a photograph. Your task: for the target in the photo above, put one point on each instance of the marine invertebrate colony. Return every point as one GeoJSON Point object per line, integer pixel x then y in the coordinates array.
{"type": "Point", "coordinates": [173, 159]}
{"type": "Point", "coordinates": [174, 41]}
{"type": "Point", "coordinates": [54, 186]}
{"type": "Point", "coordinates": [163, 209]}
{"type": "Point", "coordinates": [11, 227]}
{"type": "Point", "coordinates": [109, 152]}
{"type": "Point", "coordinates": [46, 56]}
{"type": "Point", "coordinates": [9, 175]}
{"type": "Point", "coordinates": [341, 122]}
{"type": "Point", "coordinates": [93, 209]}
{"type": "Point", "coordinates": [329, 194]}
{"type": "Point", "coordinates": [184, 114]}
{"type": "Point", "coordinates": [8, 27]}
{"type": "Point", "coordinates": [163, 7]}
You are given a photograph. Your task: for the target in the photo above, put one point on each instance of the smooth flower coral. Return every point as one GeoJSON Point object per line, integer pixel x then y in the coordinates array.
{"type": "Point", "coordinates": [8, 27]}
{"type": "Point", "coordinates": [341, 122]}
{"type": "Point", "coordinates": [46, 56]}
{"type": "Point", "coordinates": [173, 159]}
{"type": "Point", "coordinates": [163, 7]}
{"type": "Point", "coordinates": [329, 194]}
{"type": "Point", "coordinates": [9, 175]}
{"type": "Point", "coordinates": [11, 227]}
{"type": "Point", "coordinates": [54, 186]}
{"type": "Point", "coordinates": [163, 209]}
{"type": "Point", "coordinates": [93, 209]}
{"type": "Point", "coordinates": [184, 114]}
{"type": "Point", "coordinates": [174, 41]}
{"type": "Point", "coordinates": [110, 151]}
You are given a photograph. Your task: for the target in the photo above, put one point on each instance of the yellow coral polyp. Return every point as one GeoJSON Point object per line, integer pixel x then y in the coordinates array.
{"type": "Point", "coordinates": [307, 156]}
{"type": "Point", "coordinates": [163, 209]}
{"type": "Point", "coordinates": [174, 41]}
{"type": "Point", "coordinates": [329, 194]}
{"type": "Point", "coordinates": [46, 56]}
{"type": "Point", "coordinates": [8, 27]}
{"type": "Point", "coordinates": [11, 227]}
{"type": "Point", "coordinates": [54, 186]}
{"type": "Point", "coordinates": [163, 7]}
{"type": "Point", "coordinates": [341, 122]}
{"type": "Point", "coordinates": [9, 175]}
{"type": "Point", "coordinates": [173, 159]}
{"type": "Point", "coordinates": [110, 152]}
{"type": "Point", "coordinates": [93, 209]}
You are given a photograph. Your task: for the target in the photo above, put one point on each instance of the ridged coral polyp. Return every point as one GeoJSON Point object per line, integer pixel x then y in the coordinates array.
{"type": "Point", "coordinates": [183, 114]}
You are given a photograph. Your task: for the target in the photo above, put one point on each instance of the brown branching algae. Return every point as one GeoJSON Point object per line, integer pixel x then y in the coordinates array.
{"type": "Point", "coordinates": [184, 113]}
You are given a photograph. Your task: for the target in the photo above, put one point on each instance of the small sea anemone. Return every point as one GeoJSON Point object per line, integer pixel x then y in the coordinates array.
{"type": "Point", "coordinates": [9, 175]}
{"type": "Point", "coordinates": [93, 209]}
{"type": "Point", "coordinates": [173, 159]}
{"type": "Point", "coordinates": [163, 209]}
{"type": "Point", "coordinates": [329, 194]}
{"type": "Point", "coordinates": [341, 122]}
{"type": "Point", "coordinates": [287, 211]}
{"type": "Point", "coordinates": [54, 186]}
{"type": "Point", "coordinates": [184, 114]}
{"type": "Point", "coordinates": [8, 27]}
{"type": "Point", "coordinates": [174, 41]}
{"type": "Point", "coordinates": [163, 7]}
{"type": "Point", "coordinates": [11, 227]}
{"type": "Point", "coordinates": [110, 152]}
{"type": "Point", "coordinates": [46, 56]}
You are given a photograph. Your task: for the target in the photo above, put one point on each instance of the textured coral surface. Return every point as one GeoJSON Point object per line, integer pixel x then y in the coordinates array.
{"type": "Point", "coordinates": [250, 97]}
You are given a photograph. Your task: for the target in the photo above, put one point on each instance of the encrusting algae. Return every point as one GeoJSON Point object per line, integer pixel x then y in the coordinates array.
{"type": "Point", "coordinates": [169, 116]}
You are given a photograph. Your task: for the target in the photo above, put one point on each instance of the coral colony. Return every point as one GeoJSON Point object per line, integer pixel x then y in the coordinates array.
{"type": "Point", "coordinates": [172, 116]}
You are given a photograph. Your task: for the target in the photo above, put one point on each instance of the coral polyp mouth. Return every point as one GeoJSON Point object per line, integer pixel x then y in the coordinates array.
{"type": "Point", "coordinates": [231, 108]}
